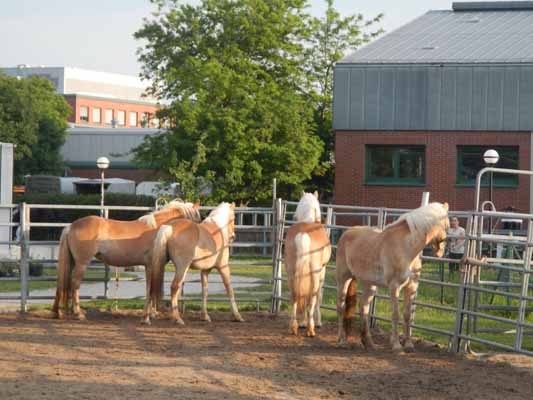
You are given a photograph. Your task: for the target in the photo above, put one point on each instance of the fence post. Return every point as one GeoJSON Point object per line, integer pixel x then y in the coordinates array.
{"type": "Point", "coordinates": [522, 306]}
{"type": "Point", "coordinates": [276, 267]}
{"type": "Point", "coordinates": [424, 202]}
{"type": "Point", "coordinates": [24, 256]}
{"type": "Point", "coordinates": [274, 241]}
{"type": "Point", "coordinates": [329, 221]}
{"type": "Point", "coordinates": [470, 251]}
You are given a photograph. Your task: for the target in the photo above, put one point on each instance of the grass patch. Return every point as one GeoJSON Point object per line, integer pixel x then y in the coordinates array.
{"type": "Point", "coordinates": [50, 272]}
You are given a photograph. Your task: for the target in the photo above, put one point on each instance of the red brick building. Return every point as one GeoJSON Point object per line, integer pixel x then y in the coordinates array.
{"type": "Point", "coordinates": [99, 99]}
{"type": "Point", "coordinates": [102, 112]}
{"type": "Point", "coordinates": [415, 110]}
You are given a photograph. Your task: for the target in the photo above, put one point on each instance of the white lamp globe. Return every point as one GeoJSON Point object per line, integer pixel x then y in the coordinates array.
{"type": "Point", "coordinates": [102, 162]}
{"type": "Point", "coordinates": [491, 157]}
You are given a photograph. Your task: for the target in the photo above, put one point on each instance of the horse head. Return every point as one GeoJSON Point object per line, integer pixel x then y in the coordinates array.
{"type": "Point", "coordinates": [438, 241]}
{"type": "Point", "coordinates": [308, 209]}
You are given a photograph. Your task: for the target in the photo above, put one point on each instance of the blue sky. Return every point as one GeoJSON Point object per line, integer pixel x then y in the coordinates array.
{"type": "Point", "coordinates": [97, 34]}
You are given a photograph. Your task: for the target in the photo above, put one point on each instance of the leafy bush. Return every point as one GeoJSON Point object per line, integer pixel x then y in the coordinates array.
{"type": "Point", "coordinates": [36, 269]}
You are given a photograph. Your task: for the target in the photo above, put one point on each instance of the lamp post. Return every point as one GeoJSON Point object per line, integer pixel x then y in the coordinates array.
{"type": "Point", "coordinates": [491, 158]}
{"type": "Point", "coordinates": [102, 163]}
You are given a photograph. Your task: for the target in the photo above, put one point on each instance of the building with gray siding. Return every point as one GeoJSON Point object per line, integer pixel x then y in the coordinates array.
{"type": "Point", "coordinates": [415, 109]}
{"type": "Point", "coordinates": [84, 145]}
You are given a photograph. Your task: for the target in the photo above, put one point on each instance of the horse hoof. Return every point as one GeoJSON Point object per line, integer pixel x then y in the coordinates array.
{"type": "Point", "coordinates": [238, 319]}
{"type": "Point", "coordinates": [146, 321]}
{"type": "Point", "coordinates": [409, 347]}
{"type": "Point", "coordinates": [342, 343]}
{"type": "Point", "coordinates": [179, 321]}
{"type": "Point", "coordinates": [206, 318]}
{"type": "Point", "coordinates": [397, 348]}
{"type": "Point", "coordinates": [310, 333]}
{"type": "Point", "coordinates": [80, 317]}
{"type": "Point", "coordinates": [368, 343]}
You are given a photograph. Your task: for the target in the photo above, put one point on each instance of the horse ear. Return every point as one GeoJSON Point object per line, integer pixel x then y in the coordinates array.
{"type": "Point", "coordinates": [232, 205]}
{"type": "Point", "coordinates": [196, 205]}
{"type": "Point", "coordinates": [303, 193]}
{"type": "Point", "coordinates": [445, 205]}
{"type": "Point", "coordinates": [316, 194]}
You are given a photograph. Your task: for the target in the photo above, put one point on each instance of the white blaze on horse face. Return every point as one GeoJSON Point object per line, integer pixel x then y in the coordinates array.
{"type": "Point", "coordinates": [308, 209]}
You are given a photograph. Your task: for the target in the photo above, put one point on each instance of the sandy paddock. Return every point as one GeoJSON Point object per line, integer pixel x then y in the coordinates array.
{"type": "Point", "coordinates": [111, 356]}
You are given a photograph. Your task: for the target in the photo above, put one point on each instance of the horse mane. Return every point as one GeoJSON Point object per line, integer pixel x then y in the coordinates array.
{"type": "Point", "coordinates": [308, 208]}
{"type": "Point", "coordinates": [220, 215]}
{"type": "Point", "coordinates": [422, 219]}
{"type": "Point", "coordinates": [187, 209]}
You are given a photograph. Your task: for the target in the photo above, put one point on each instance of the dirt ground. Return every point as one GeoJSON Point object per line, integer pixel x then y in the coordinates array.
{"type": "Point", "coordinates": [111, 356]}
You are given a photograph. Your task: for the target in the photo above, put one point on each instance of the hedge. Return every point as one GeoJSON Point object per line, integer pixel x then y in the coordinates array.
{"type": "Point", "coordinates": [65, 215]}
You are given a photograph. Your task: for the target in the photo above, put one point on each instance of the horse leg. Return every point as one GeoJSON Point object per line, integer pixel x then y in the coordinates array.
{"type": "Point", "coordinates": [294, 318]}
{"type": "Point", "coordinates": [310, 316]}
{"type": "Point", "coordinates": [204, 275]}
{"type": "Point", "coordinates": [181, 270]}
{"type": "Point", "coordinates": [224, 273]}
{"type": "Point", "coordinates": [395, 340]}
{"type": "Point", "coordinates": [342, 289]}
{"type": "Point", "coordinates": [318, 314]}
{"type": "Point", "coordinates": [409, 296]}
{"type": "Point", "coordinates": [366, 299]}
{"type": "Point", "coordinates": [149, 310]}
{"type": "Point", "coordinates": [77, 276]}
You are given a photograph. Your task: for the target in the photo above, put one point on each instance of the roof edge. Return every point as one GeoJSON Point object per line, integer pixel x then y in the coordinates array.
{"type": "Point", "coordinates": [492, 5]}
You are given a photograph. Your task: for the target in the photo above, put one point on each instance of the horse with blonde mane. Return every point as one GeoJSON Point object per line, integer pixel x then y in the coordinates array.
{"type": "Point", "coordinates": [201, 246]}
{"type": "Point", "coordinates": [388, 258]}
{"type": "Point", "coordinates": [307, 251]}
{"type": "Point", "coordinates": [118, 243]}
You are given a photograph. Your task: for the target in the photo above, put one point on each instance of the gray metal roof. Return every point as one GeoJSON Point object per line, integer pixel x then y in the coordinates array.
{"type": "Point", "coordinates": [473, 32]}
{"type": "Point", "coordinates": [84, 145]}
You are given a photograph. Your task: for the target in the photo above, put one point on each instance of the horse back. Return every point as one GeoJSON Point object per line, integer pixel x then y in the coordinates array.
{"type": "Point", "coordinates": [318, 241]}
{"type": "Point", "coordinates": [361, 243]}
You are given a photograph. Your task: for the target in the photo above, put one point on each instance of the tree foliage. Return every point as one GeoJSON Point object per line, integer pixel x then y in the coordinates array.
{"type": "Point", "coordinates": [33, 117]}
{"type": "Point", "coordinates": [330, 38]}
{"type": "Point", "coordinates": [248, 87]}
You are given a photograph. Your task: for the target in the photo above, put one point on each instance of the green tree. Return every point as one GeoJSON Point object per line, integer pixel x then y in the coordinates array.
{"type": "Point", "coordinates": [238, 114]}
{"type": "Point", "coordinates": [34, 117]}
{"type": "Point", "coordinates": [330, 38]}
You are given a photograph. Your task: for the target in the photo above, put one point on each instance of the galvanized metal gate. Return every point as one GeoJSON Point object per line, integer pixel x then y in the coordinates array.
{"type": "Point", "coordinates": [465, 312]}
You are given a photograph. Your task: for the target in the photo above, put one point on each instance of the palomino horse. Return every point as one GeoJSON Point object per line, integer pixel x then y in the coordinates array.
{"type": "Point", "coordinates": [201, 246]}
{"type": "Point", "coordinates": [307, 251]}
{"type": "Point", "coordinates": [120, 243]}
{"type": "Point", "coordinates": [388, 258]}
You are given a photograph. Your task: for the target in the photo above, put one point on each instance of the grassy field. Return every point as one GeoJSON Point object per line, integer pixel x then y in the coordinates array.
{"type": "Point", "coordinates": [50, 272]}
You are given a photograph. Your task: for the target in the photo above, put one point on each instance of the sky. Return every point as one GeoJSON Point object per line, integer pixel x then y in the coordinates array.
{"type": "Point", "coordinates": [98, 34]}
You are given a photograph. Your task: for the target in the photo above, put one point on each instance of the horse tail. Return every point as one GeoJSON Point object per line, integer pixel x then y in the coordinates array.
{"type": "Point", "coordinates": [64, 268]}
{"type": "Point", "coordinates": [348, 316]}
{"type": "Point", "coordinates": [302, 271]}
{"type": "Point", "coordinates": [159, 260]}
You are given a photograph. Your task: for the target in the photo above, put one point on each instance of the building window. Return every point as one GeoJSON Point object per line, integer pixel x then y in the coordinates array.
{"type": "Point", "coordinates": [395, 165]}
{"type": "Point", "coordinates": [97, 115]}
{"type": "Point", "coordinates": [122, 118]}
{"type": "Point", "coordinates": [108, 116]}
{"type": "Point", "coordinates": [84, 114]}
{"type": "Point", "coordinates": [133, 119]}
{"type": "Point", "coordinates": [145, 119]}
{"type": "Point", "coordinates": [470, 162]}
